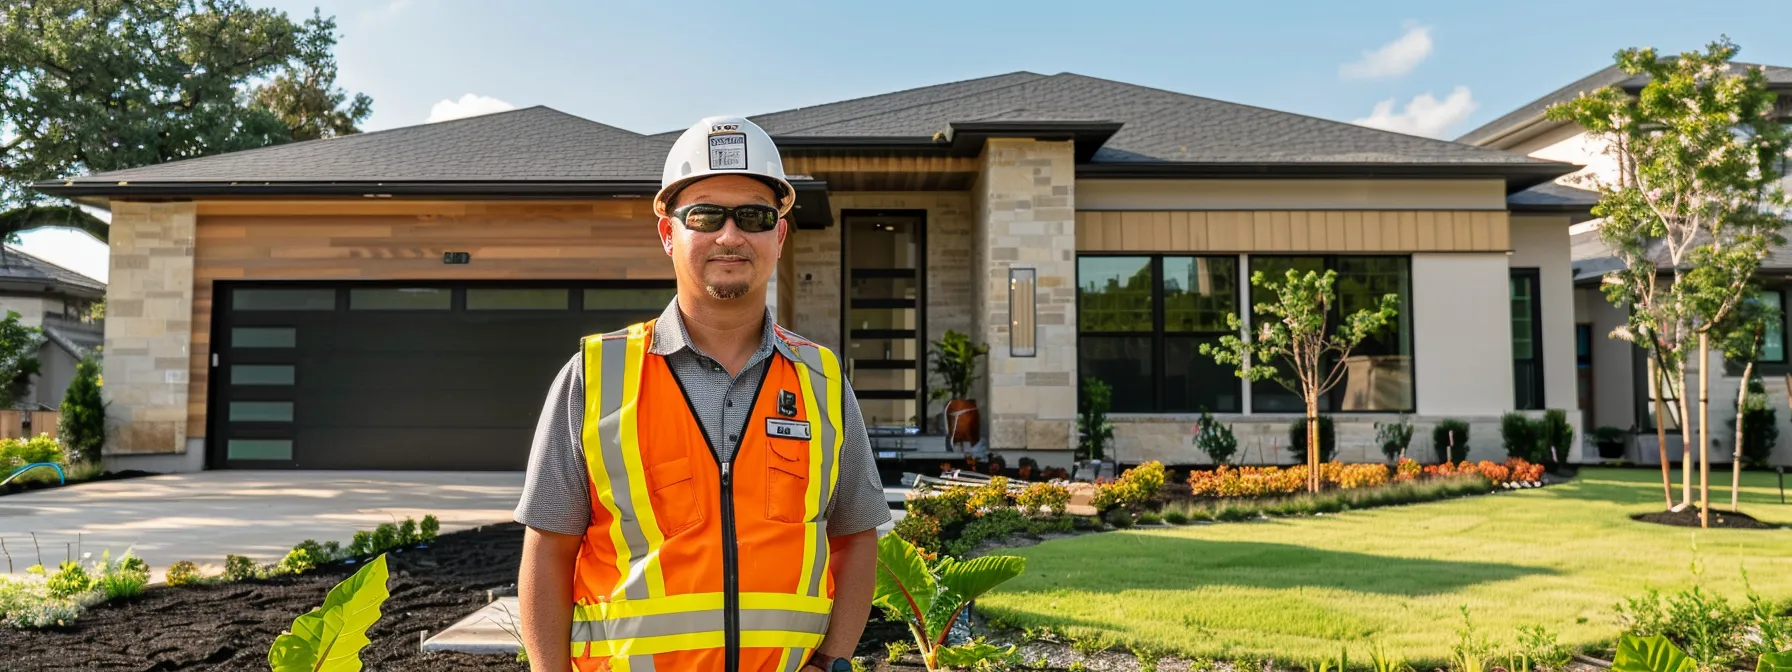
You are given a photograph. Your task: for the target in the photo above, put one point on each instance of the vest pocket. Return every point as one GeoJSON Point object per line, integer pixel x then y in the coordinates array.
{"type": "Point", "coordinates": [674, 496]}
{"type": "Point", "coordinates": [787, 481]}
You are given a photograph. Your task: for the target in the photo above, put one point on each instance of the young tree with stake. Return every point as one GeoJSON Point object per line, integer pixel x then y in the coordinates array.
{"type": "Point", "coordinates": [1740, 338]}
{"type": "Point", "coordinates": [1691, 211]}
{"type": "Point", "coordinates": [1297, 333]}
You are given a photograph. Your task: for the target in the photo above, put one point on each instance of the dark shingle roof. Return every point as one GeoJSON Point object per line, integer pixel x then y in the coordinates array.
{"type": "Point", "coordinates": [529, 144]}
{"type": "Point", "coordinates": [1553, 196]}
{"type": "Point", "coordinates": [17, 266]}
{"type": "Point", "coordinates": [1609, 76]}
{"type": "Point", "coordinates": [539, 144]}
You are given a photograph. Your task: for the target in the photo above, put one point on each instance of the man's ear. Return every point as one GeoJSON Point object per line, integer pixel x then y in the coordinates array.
{"type": "Point", "coordinates": [665, 229]}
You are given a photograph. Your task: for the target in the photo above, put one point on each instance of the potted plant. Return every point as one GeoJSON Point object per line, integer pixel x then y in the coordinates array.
{"type": "Point", "coordinates": [1610, 441]}
{"type": "Point", "coordinates": [954, 360]}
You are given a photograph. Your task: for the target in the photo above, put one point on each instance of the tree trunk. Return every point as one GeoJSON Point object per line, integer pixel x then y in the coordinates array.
{"type": "Point", "coordinates": [1685, 442]}
{"type": "Point", "coordinates": [1312, 447]}
{"type": "Point", "coordinates": [1736, 461]}
{"type": "Point", "coordinates": [1661, 431]}
{"type": "Point", "coordinates": [1704, 434]}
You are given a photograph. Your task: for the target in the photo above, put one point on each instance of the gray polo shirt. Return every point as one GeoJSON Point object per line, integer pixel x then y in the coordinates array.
{"type": "Point", "coordinates": [556, 491]}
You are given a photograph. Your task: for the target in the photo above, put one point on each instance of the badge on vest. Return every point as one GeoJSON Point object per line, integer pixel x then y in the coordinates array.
{"type": "Point", "coordinates": [787, 403]}
{"type": "Point", "coordinates": [786, 429]}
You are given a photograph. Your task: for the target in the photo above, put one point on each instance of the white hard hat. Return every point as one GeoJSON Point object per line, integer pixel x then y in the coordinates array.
{"type": "Point", "coordinates": [721, 146]}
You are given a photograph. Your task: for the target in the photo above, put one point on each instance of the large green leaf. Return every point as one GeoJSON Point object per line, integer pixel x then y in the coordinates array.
{"type": "Point", "coordinates": [903, 581]}
{"type": "Point", "coordinates": [972, 578]}
{"type": "Point", "coordinates": [968, 655]}
{"type": "Point", "coordinates": [330, 638]}
{"type": "Point", "coordinates": [1650, 654]}
{"type": "Point", "coordinates": [1775, 662]}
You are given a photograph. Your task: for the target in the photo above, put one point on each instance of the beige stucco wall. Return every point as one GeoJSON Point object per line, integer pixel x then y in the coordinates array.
{"type": "Point", "coordinates": [31, 309]}
{"type": "Point", "coordinates": [1614, 378]}
{"type": "Point", "coordinates": [1290, 194]}
{"type": "Point", "coordinates": [1462, 334]}
{"type": "Point", "coordinates": [149, 307]}
{"type": "Point", "coordinates": [1542, 243]}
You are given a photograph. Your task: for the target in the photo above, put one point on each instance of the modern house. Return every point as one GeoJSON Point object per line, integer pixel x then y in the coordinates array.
{"type": "Point", "coordinates": [59, 301]}
{"type": "Point", "coordinates": [401, 299]}
{"type": "Point", "coordinates": [1614, 377]}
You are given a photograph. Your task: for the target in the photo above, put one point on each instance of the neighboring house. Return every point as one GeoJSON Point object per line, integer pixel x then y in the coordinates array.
{"type": "Point", "coordinates": [401, 299]}
{"type": "Point", "coordinates": [1613, 375]}
{"type": "Point", "coordinates": [58, 301]}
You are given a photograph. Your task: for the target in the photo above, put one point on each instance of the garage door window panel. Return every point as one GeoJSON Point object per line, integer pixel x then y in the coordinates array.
{"type": "Point", "coordinates": [261, 411]}
{"type": "Point", "coordinates": [264, 337]}
{"type": "Point", "coordinates": [401, 298]}
{"type": "Point", "coordinates": [518, 299]}
{"type": "Point", "coordinates": [260, 449]}
{"type": "Point", "coordinates": [263, 374]}
{"type": "Point", "coordinates": [283, 299]}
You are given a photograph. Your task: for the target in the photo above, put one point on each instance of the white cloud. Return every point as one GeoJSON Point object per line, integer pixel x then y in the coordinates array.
{"type": "Point", "coordinates": [1392, 59]}
{"type": "Point", "coordinates": [1424, 115]}
{"type": "Point", "coordinates": [469, 105]}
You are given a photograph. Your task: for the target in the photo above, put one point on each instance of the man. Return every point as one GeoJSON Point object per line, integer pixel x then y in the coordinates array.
{"type": "Point", "coordinates": [701, 493]}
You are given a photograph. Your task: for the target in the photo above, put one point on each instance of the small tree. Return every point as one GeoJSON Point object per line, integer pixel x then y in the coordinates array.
{"type": "Point", "coordinates": [1297, 334]}
{"type": "Point", "coordinates": [1215, 439]}
{"type": "Point", "coordinates": [1740, 339]}
{"type": "Point", "coordinates": [1394, 437]}
{"type": "Point", "coordinates": [18, 357]}
{"type": "Point", "coordinates": [1695, 202]}
{"type": "Point", "coordinates": [83, 422]}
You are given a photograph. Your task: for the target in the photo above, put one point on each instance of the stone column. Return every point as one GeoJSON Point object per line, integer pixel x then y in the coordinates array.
{"type": "Point", "coordinates": [149, 316]}
{"type": "Point", "coordinates": [1026, 218]}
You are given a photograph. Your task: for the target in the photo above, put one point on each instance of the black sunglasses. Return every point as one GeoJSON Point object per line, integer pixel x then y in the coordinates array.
{"type": "Point", "coordinates": [708, 218]}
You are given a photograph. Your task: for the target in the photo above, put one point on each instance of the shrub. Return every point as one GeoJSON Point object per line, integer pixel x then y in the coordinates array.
{"type": "Point", "coordinates": [1394, 437]}
{"type": "Point", "coordinates": [123, 581]}
{"type": "Point", "coordinates": [1215, 439]}
{"type": "Point", "coordinates": [362, 544]}
{"type": "Point", "coordinates": [921, 530]}
{"type": "Point", "coordinates": [1135, 488]}
{"type": "Point", "coordinates": [1407, 470]}
{"type": "Point", "coordinates": [238, 568]}
{"type": "Point", "coordinates": [989, 496]}
{"type": "Point", "coordinates": [385, 537]}
{"type": "Point", "coordinates": [1039, 497]}
{"type": "Point", "coordinates": [950, 506]}
{"type": "Point", "coordinates": [182, 573]}
{"type": "Point", "coordinates": [82, 425]}
{"type": "Point", "coordinates": [1522, 436]}
{"type": "Point", "coordinates": [1450, 439]}
{"type": "Point", "coordinates": [70, 581]}
{"type": "Point", "coordinates": [1094, 430]}
{"type": "Point", "coordinates": [299, 561]}
{"type": "Point", "coordinates": [1052, 525]}
{"type": "Point", "coordinates": [1149, 518]}
{"type": "Point", "coordinates": [1557, 437]}
{"type": "Point", "coordinates": [407, 532]}
{"type": "Point", "coordinates": [1120, 518]}
{"type": "Point", "coordinates": [428, 529]}
{"type": "Point", "coordinates": [993, 526]}
{"type": "Point", "coordinates": [16, 453]}
{"type": "Point", "coordinates": [1760, 426]}
{"type": "Point", "coordinates": [1176, 517]}
{"type": "Point", "coordinates": [1352, 476]}
{"type": "Point", "coordinates": [1297, 439]}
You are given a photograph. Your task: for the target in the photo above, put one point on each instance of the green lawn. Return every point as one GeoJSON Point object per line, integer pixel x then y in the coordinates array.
{"type": "Point", "coordinates": [1299, 588]}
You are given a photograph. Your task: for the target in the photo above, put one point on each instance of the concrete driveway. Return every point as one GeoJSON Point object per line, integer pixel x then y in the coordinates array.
{"type": "Point", "coordinates": [206, 515]}
{"type": "Point", "coordinates": [260, 514]}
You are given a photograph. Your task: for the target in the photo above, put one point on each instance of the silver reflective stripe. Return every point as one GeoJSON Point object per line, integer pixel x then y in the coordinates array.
{"type": "Point", "coordinates": [794, 658]}
{"type": "Point", "coordinates": [609, 429]}
{"type": "Point", "coordinates": [818, 381]}
{"type": "Point", "coordinates": [640, 664]}
{"type": "Point", "coordinates": [691, 622]}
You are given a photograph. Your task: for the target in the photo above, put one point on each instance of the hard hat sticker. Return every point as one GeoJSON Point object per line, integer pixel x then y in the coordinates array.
{"type": "Point", "coordinates": [728, 151]}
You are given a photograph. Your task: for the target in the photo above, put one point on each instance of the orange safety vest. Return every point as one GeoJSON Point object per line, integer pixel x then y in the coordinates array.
{"type": "Point", "coordinates": [690, 563]}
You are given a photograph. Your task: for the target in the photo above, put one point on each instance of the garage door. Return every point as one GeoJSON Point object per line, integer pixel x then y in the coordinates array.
{"type": "Point", "coordinates": [413, 376]}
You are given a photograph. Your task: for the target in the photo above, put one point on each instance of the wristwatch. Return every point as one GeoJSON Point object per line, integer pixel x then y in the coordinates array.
{"type": "Point", "coordinates": [829, 663]}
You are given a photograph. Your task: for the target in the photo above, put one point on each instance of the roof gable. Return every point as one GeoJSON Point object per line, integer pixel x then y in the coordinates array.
{"type": "Point", "coordinates": [1777, 77]}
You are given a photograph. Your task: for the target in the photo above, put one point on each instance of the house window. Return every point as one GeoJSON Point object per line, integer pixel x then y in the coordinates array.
{"type": "Point", "coordinates": [1141, 323]}
{"type": "Point", "coordinates": [1670, 401]}
{"type": "Point", "coordinates": [1773, 339]}
{"type": "Point", "coordinates": [1378, 374]}
{"type": "Point", "coordinates": [1527, 340]}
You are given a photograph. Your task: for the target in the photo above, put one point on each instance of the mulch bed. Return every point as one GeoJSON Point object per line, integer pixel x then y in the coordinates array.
{"type": "Point", "coordinates": [27, 486]}
{"type": "Point", "coordinates": [1689, 517]}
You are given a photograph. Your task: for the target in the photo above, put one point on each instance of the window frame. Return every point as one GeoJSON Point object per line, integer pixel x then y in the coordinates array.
{"type": "Point", "coordinates": [1331, 401]}
{"type": "Point", "coordinates": [1157, 335]}
{"type": "Point", "coordinates": [1538, 387]}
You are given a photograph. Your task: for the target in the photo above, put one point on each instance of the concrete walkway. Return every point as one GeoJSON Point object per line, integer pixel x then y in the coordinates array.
{"type": "Point", "coordinates": [260, 514]}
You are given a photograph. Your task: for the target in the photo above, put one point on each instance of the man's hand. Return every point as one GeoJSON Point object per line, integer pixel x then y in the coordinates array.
{"type": "Point", "coordinates": [544, 595]}
{"type": "Point", "coordinates": [853, 561]}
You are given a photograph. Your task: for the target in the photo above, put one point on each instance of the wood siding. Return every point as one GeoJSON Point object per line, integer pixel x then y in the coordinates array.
{"type": "Point", "coordinates": [404, 240]}
{"type": "Point", "coordinates": [1291, 231]}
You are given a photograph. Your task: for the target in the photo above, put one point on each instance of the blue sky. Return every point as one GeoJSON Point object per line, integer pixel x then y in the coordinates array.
{"type": "Point", "coordinates": [657, 66]}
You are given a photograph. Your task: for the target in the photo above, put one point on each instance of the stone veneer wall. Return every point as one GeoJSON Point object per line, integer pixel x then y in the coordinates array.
{"type": "Point", "coordinates": [818, 257]}
{"type": "Point", "coordinates": [1026, 217]}
{"type": "Point", "coordinates": [1264, 439]}
{"type": "Point", "coordinates": [148, 327]}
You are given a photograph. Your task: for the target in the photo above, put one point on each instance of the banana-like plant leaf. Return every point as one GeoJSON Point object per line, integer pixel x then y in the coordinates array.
{"type": "Point", "coordinates": [968, 655]}
{"type": "Point", "coordinates": [1775, 662]}
{"type": "Point", "coordinates": [972, 578]}
{"type": "Point", "coordinates": [330, 638]}
{"type": "Point", "coordinates": [1650, 654]}
{"type": "Point", "coordinates": [903, 582]}
{"type": "Point", "coordinates": [945, 607]}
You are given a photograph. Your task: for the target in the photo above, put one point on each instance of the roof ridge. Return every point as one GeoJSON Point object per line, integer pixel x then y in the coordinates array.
{"type": "Point", "coordinates": [12, 249]}
{"type": "Point", "coordinates": [887, 110]}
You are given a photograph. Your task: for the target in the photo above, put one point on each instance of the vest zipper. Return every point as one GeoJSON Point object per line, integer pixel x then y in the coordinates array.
{"type": "Point", "coordinates": [730, 572]}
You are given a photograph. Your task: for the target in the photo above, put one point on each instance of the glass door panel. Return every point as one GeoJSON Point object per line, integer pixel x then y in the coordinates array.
{"type": "Point", "coordinates": [884, 295]}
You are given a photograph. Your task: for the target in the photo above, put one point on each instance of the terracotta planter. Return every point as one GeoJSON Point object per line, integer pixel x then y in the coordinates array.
{"type": "Point", "coordinates": [962, 421]}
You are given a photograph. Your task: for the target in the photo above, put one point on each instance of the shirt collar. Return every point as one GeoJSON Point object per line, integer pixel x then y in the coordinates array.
{"type": "Point", "coordinates": [670, 336]}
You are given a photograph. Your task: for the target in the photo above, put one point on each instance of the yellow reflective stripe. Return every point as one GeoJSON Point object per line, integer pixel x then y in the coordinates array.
{"type": "Point", "coordinates": [830, 366]}
{"type": "Point", "coordinates": [811, 497]}
{"type": "Point", "coordinates": [594, 453]}
{"type": "Point", "coordinates": [783, 661]}
{"type": "Point", "coordinates": [647, 646]}
{"type": "Point", "coordinates": [673, 604]}
{"type": "Point", "coordinates": [631, 454]}
{"type": "Point", "coordinates": [578, 649]}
